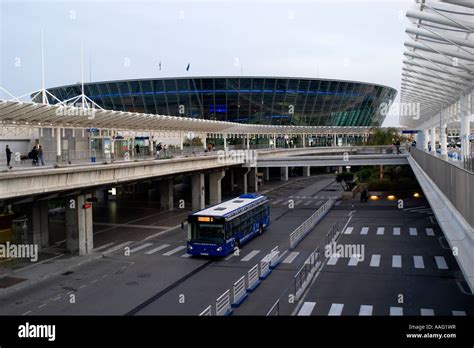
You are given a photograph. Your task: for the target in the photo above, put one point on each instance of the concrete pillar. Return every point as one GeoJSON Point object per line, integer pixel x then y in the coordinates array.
{"type": "Point", "coordinates": [58, 144]}
{"type": "Point", "coordinates": [266, 174]}
{"type": "Point", "coordinates": [181, 140]}
{"type": "Point", "coordinates": [465, 115]}
{"type": "Point", "coordinates": [198, 191]}
{"type": "Point", "coordinates": [424, 142]}
{"type": "Point", "coordinates": [79, 226]}
{"type": "Point", "coordinates": [303, 140]}
{"type": "Point", "coordinates": [225, 142]}
{"type": "Point", "coordinates": [307, 171]}
{"type": "Point", "coordinates": [284, 173]}
{"type": "Point", "coordinates": [40, 224]}
{"type": "Point", "coordinates": [166, 194]}
{"type": "Point", "coordinates": [381, 172]}
{"type": "Point", "coordinates": [215, 187]}
{"type": "Point", "coordinates": [433, 140]}
{"type": "Point", "coordinates": [274, 141]}
{"type": "Point", "coordinates": [150, 144]}
{"type": "Point", "coordinates": [248, 142]}
{"type": "Point", "coordinates": [334, 138]}
{"type": "Point", "coordinates": [241, 179]}
{"type": "Point", "coordinates": [252, 180]}
{"type": "Point", "coordinates": [443, 140]}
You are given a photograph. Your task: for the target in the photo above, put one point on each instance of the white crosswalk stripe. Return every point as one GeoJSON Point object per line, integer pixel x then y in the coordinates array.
{"type": "Point", "coordinates": [429, 232]}
{"type": "Point", "coordinates": [426, 311]}
{"type": "Point", "coordinates": [186, 255]}
{"type": "Point", "coordinates": [380, 231]}
{"type": "Point", "coordinates": [396, 311]}
{"type": "Point", "coordinates": [354, 260]}
{"type": "Point", "coordinates": [277, 201]}
{"type": "Point", "coordinates": [250, 255]}
{"type": "Point", "coordinates": [336, 309]}
{"type": "Point", "coordinates": [161, 247]}
{"type": "Point", "coordinates": [333, 259]}
{"type": "Point", "coordinates": [366, 310]}
{"type": "Point", "coordinates": [291, 257]}
{"type": "Point", "coordinates": [143, 246]}
{"type": "Point", "coordinates": [175, 250]}
{"type": "Point", "coordinates": [306, 308]}
{"type": "Point", "coordinates": [308, 203]}
{"type": "Point", "coordinates": [458, 313]}
{"type": "Point", "coordinates": [441, 262]}
{"type": "Point", "coordinates": [396, 261]}
{"type": "Point", "coordinates": [396, 231]}
{"type": "Point", "coordinates": [348, 230]}
{"type": "Point", "coordinates": [375, 261]}
{"type": "Point", "coordinates": [413, 231]}
{"type": "Point", "coordinates": [364, 230]}
{"type": "Point", "coordinates": [418, 261]}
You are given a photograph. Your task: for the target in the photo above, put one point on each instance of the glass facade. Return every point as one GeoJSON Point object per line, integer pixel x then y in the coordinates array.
{"type": "Point", "coordinates": [257, 100]}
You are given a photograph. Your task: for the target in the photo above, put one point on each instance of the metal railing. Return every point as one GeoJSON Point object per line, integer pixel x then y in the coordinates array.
{"type": "Point", "coordinates": [239, 291]}
{"type": "Point", "coordinates": [264, 266]}
{"type": "Point", "coordinates": [300, 232]}
{"type": "Point", "coordinates": [206, 312]}
{"type": "Point", "coordinates": [275, 310]}
{"type": "Point", "coordinates": [305, 272]}
{"type": "Point", "coordinates": [223, 306]}
{"type": "Point", "coordinates": [253, 278]}
{"type": "Point", "coordinates": [332, 233]}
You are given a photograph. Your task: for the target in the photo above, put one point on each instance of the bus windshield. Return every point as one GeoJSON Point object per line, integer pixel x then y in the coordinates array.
{"type": "Point", "coordinates": [208, 233]}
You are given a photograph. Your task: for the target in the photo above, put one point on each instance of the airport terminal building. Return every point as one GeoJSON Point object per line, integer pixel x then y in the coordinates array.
{"type": "Point", "coordinates": [253, 100]}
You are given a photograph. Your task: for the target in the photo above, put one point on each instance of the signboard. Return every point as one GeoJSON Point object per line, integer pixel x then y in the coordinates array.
{"type": "Point", "coordinates": [204, 219]}
{"type": "Point", "coordinates": [410, 131]}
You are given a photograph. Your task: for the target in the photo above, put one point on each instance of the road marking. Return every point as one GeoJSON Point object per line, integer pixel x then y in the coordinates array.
{"type": "Point", "coordinates": [43, 305]}
{"type": "Point", "coordinates": [429, 232]}
{"type": "Point", "coordinates": [175, 250]}
{"type": "Point", "coordinates": [291, 257]}
{"type": "Point", "coordinates": [396, 311]}
{"type": "Point", "coordinates": [348, 230]}
{"type": "Point", "coordinates": [82, 286]}
{"type": "Point", "coordinates": [415, 208]}
{"type": "Point", "coordinates": [366, 310]}
{"type": "Point", "coordinates": [146, 245]}
{"type": "Point", "coordinates": [396, 231]}
{"type": "Point", "coordinates": [354, 260]}
{"type": "Point", "coordinates": [380, 231]}
{"type": "Point", "coordinates": [186, 255]}
{"type": "Point", "coordinates": [459, 313]}
{"type": "Point", "coordinates": [120, 246]}
{"type": "Point", "coordinates": [56, 298]}
{"type": "Point", "coordinates": [375, 261]}
{"type": "Point", "coordinates": [418, 260]}
{"type": "Point", "coordinates": [277, 201]}
{"type": "Point", "coordinates": [103, 247]}
{"type": "Point", "coordinates": [364, 230]}
{"type": "Point", "coordinates": [298, 202]}
{"type": "Point", "coordinates": [413, 231]}
{"type": "Point", "coordinates": [333, 259]}
{"type": "Point", "coordinates": [93, 281]}
{"type": "Point", "coordinates": [307, 203]}
{"type": "Point", "coordinates": [336, 309]}
{"type": "Point", "coordinates": [441, 262]}
{"type": "Point", "coordinates": [250, 255]}
{"type": "Point", "coordinates": [427, 311]}
{"type": "Point", "coordinates": [229, 257]}
{"type": "Point", "coordinates": [28, 312]}
{"type": "Point", "coordinates": [307, 308]}
{"type": "Point", "coordinates": [396, 261]}
{"type": "Point", "coordinates": [161, 247]}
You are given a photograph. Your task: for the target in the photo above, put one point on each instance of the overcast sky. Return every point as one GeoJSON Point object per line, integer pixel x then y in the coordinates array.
{"type": "Point", "coordinates": [337, 39]}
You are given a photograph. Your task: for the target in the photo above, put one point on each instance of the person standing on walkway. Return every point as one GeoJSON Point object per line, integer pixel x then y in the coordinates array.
{"type": "Point", "coordinates": [9, 155]}
{"type": "Point", "coordinates": [137, 150]}
{"type": "Point", "coordinates": [397, 145]}
{"type": "Point", "coordinates": [40, 156]}
{"type": "Point", "coordinates": [34, 156]}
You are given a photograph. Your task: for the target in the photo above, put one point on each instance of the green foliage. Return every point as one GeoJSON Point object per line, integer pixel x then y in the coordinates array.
{"type": "Point", "coordinates": [193, 142]}
{"type": "Point", "coordinates": [346, 180]}
{"type": "Point", "coordinates": [385, 136]}
{"type": "Point", "coordinates": [364, 174]}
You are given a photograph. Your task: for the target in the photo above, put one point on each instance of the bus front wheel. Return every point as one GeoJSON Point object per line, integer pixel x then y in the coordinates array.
{"type": "Point", "coordinates": [260, 230]}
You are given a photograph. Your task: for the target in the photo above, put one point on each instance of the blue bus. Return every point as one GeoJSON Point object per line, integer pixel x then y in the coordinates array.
{"type": "Point", "coordinates": [217, 230]}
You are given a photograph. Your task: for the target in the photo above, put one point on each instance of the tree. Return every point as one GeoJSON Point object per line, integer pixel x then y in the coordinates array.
{"type": "Point", "coordinates": [384, 136]}
{"type": "Point", "coordinates": [346, 180]}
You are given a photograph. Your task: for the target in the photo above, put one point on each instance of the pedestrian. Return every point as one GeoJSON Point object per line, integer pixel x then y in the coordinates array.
{"type": "Point", "coordinates": [34, 156]}
{"type": "Point", "coordinates": [364, 195]}
{"type": "Point", "coordinates": [158, 150]}
{"type": "Point", "coordinates": [40, 156]}
{"type": "Point", "coordinates": [9, 155]}
{"type": "Point", "coordinates": [397, 145]}
{"type": "Point", "coordinates": [137, 150]}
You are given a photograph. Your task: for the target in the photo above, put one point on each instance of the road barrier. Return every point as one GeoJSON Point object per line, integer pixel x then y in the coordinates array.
{"type": "Point", "coordinates": [223, 306]}
{"type": "Point", "coordinates": [206, 312]}
{"type": "Point", "coordinates": [275, 310]}
{"type": "Point", "coordinates": [306, 272]}
{"type": "Point", "coordinates": [253, 278]}
{"type": "Point", "coordinates": [333, 233]}
{"type": "Point", "coordinates": [264, 268]}
{"type": "Point", "coordinates": [297, 235]}
{"type": "Point", "coordinates": [239, 292]}
{"type": "Point", "coordinates": [274, 257]}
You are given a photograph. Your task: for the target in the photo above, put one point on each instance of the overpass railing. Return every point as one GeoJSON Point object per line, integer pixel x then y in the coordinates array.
{"type": "Point", "coordinates": [455, 182]}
